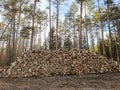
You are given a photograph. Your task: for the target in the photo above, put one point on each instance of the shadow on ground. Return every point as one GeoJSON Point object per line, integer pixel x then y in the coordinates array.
{"type": "Point", "coordinates": [109, 81]}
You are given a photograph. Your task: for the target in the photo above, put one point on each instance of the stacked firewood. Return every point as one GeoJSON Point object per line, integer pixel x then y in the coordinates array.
{"type": "Point", "coordinates": [60, 62]}
{"type": "Point", "coordinates": [3, 71]}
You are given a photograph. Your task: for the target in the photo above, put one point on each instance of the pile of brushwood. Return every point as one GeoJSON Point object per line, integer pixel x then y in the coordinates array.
{"type": "Point", "coordinates": [59, 62]}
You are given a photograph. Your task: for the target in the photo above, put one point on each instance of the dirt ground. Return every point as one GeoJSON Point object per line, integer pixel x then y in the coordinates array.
{"type": "Point", "coordinates": [109, 81]}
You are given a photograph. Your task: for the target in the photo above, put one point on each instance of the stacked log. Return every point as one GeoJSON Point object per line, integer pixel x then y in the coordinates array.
{"type": "Point", "coordinates": [60, 62]}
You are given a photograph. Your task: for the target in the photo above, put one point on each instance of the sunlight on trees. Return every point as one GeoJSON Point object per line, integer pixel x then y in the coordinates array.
{"type": "Point", "coordinates": [24, 25]}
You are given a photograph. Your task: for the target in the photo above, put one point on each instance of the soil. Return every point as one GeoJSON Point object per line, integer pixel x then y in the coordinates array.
{"type": "Point", "coordinates": [108, 81]}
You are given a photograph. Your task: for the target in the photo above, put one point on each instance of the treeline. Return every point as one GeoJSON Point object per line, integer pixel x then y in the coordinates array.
{"type": "Point", "coordinates": [87, 24]}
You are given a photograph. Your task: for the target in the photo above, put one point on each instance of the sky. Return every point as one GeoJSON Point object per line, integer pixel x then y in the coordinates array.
{"type": "Point", "coordinates": [63, 7]}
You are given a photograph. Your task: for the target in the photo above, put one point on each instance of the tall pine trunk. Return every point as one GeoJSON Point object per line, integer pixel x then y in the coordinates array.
{"type": "Point", "coordinates": [50, 24]}
{"type": "Point", "coordinates": [57, 24]}
{"type": "Point", "coordinates": [80, 35]}
{"type": "Point", "coordinates": [13, 36]}
{"type": "Point", "coordinates": [74, 30]}
{"type": "Point", "coordinates": [18, 26]}
{"type": "Point", "coordinates": [98, 38]}
{"type": "Point", "coordinates": [33, 29]}
{"type": "Point", "coordinates": [110, 37]}
{"type": "Point", "coordinates": [102, 32]}
{"type": "Point", "coordinates": [87, 45]}
{"type": "Point", "coordinates": [116, 47]}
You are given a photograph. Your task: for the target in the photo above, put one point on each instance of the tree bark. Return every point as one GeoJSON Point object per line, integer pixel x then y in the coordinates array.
{"type": "Point", "coordinates": [33, 29]}
{"type": "Point", "coordinates": [87, 45]}
{"type": "Point", "coordinates": [74, 30]}
{"type": "Point", "coordinates": [13, 46]}
{"type": "Point", "coordinates": [110, 38]}
{"type": "Point", "coordinates": [50, 24]}
{"type": "Point", "coordinates": [116, 42]}
{"type": "Point", "coordinates": [102, 32]}
{"type": "Point", "coordinates": [57, 24]}
{"type": "Point", "coordinates": [18, 24]}
{"type": "Point", "coordinates": [80, 36]}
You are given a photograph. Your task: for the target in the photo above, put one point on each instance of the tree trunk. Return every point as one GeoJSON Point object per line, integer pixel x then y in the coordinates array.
{"type": "Point", "coordinates": [110, 38]}
{"type": "Point", "coordinates": [87, 45]}
{"type": "Point", "coordinates": [50, 24]}
{"type": "Point", "coordinates": [98, 39]}
{"type": "Point", "coordinates": [74, 31]}
{"type": "Point", "coordinates": [45, 35]}
{"type": "Point", "coordinates": [8, 51]}
{"type": "Point", "coordinates": [116, 42]}
{"type": "Point", "coordinates": [57, 24]}
{"type": "Point", "coordinates": [10, 48]}
{"type": "Point", "coordinates": [102, 32]}
{"type": "Point", "coordinates": [92, 38]}
{"type": "Point", "coordinates": [18, 25]}
{"type": "Point", "coordinates": [33, 29]}
{"type": "Point", "coordinates": [13, 46]}
{"type": "Point", "coordinates": [2, 53]}
{"type": "Point", "coordinates": [40, 36]}
{"type": "Point", "coordinates": [80, 36]}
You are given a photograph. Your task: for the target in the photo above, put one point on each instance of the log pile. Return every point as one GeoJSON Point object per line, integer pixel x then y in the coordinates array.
{"type": "Point", "coordinates": [3, 71]}
{"type": "Point", "coordinates": [60, 62]}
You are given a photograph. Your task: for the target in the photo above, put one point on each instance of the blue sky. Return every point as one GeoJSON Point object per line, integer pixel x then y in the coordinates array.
{"type": "Point", "coordinates": [63, 7]}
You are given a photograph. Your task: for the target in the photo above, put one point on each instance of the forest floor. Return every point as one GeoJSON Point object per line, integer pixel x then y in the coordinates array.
{"type": "Point", "coordinates": [108, 81]}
